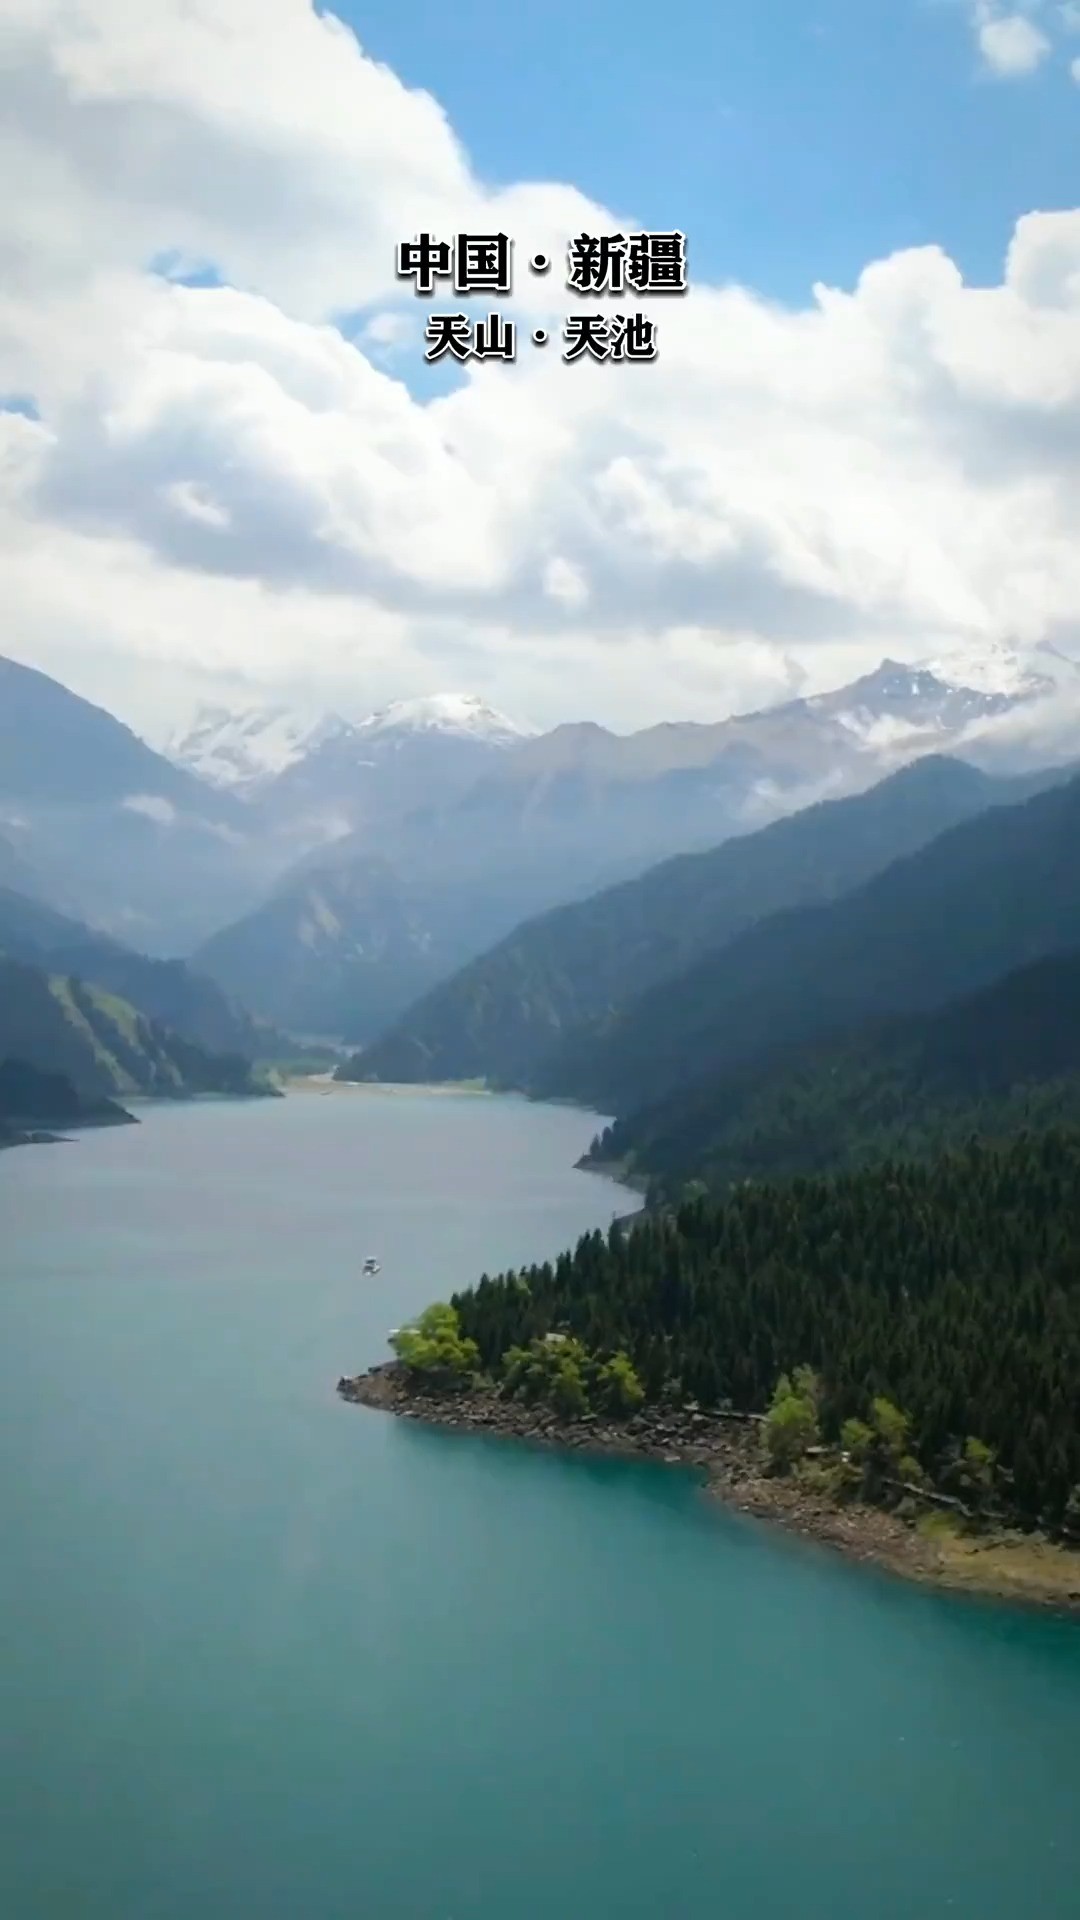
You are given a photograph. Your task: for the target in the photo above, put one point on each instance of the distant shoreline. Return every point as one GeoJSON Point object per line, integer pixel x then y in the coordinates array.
{"type": "Point", "coordinates": [1025, 1569]}
{"type": "Point", "coordinates": [326, 1083]}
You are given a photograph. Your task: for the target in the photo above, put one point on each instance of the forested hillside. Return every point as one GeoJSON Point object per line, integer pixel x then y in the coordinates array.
{"type": "Point", "coordinates": [99, 1042]}
{"type": "Point", "coordinates": [951, 1287]}
{"type": "Point", "coordinates": [993, 1063]}
{"type": "Point", "coordinates": [32, 1101]}
{"type": "Point", "coordinates": [332, 947]}
{"type": "Point", "coordinates": [164, 990]}
{"type": "Point", "coordinates": [983, 898]}
{"type": "Point", "coordinates": [499, 1016]}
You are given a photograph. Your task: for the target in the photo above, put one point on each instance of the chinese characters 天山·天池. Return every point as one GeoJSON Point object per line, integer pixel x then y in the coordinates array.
{"type": "Point", "coordinates": [596, 264]}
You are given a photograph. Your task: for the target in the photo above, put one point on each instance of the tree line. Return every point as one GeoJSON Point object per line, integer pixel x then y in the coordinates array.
{"type": "Point", "coordinates": [948, 1291]}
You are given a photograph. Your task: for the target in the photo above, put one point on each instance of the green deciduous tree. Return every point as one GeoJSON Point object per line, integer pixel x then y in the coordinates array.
{"type": "Point", "coordinates": [857, 1439]}
{"type": "Point", "coordinates": [567, 1390]}
{"type": "Point", "coordinates": [791, 1424]}
{"type": "Point", "coordinates": [618, 1388]}
{"type": "Point", "coordinates": [434, 1348]}
{"type": "Point", "coordinates": [891, 1428]}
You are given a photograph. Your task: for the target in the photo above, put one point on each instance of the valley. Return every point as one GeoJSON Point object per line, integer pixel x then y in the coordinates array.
{"type": "Point", "coordinates": [328, 872]}
{"type": "Point", "coordinates": [809, 960]}
{"type": "Point", "coordinates": [539, 961]}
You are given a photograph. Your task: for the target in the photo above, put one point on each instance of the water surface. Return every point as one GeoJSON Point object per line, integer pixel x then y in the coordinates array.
{"type": "Point", "coordinates": [264, 1654]}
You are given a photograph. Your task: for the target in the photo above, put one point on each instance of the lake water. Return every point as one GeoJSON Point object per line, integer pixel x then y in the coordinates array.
{"type": "Point", "coordinates": [264, 1654]}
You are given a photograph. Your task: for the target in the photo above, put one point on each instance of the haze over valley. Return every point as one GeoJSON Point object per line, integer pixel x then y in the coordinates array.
{"type": "Point", "coordinates": [327, 872]}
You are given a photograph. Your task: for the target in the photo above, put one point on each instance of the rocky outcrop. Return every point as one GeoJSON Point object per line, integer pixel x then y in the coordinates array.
{"type": "Point", "coordinates": [687, 1435]}
{"type": "Point", "coordinates": [725, 1449]}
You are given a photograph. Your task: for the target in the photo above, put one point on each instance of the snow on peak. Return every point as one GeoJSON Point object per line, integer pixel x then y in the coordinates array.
{"type": "Point", "coordinates": [992, 667]}
{"type": "Point", "coordinates": [240, 749]}
{"type": "Point", "coordinates": [450, 713]}
{"type": "Point", "coordinates": [245, 748]}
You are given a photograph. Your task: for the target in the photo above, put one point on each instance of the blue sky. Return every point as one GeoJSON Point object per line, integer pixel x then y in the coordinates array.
{"type": "Point", "coordinates": [217, 495]}
{"type": "Point", "coordinates": [793, 140]}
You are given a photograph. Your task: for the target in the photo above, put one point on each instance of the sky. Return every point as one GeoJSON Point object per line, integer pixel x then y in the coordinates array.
{"type": "Point", "coordinates": [227, 475]}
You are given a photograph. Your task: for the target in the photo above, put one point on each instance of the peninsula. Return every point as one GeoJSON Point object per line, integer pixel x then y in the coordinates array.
{"type": "Point", "coordinates": [920, 1536]}
{"type": "Point", "coordinates": [886, 1359]}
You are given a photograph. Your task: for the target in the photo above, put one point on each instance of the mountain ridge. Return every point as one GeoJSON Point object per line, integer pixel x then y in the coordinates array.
{"type": "Point", "coordinates": [478, 843]}
{"type": "Point", "coordinates": [497, 1017]}
{"type": "Point", "coordinates": [102, 1045]}
{"type": "Point", "coordinates": [994, 1063]}
{"type": "Point", "coordinates": [244, 750]}
{"type": "Point", "coordinates": [985, 896]}
{"type": "Point", "coordinates": [480, 821]}
{"type": "Point", "coordinates": [110, 829]}
{"type": "Point", "coordinates": [166, 990]}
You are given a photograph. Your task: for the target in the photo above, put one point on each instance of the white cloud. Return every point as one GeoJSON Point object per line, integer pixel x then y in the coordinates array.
{"type": "Point", "coordinates": [224, 488]}
{"type": "Point", "coordinates": [386, 331]}
{"type": "Point", "coordinates": [197, 504]}
{"type": "Point", "coordinates": [565, 583]}
{"type": "Point", "coordinates": [153, 807]}
{"type": "Point", "coordinates": [251, 134]}
{"type": "Point", "coordinates": [1011, 44]}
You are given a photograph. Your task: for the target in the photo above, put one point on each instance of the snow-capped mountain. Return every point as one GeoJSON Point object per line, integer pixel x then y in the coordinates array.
{"type": "Point", "coordinates": [452, 793]}
{"type": "Point", "coordinates": [1012, 673]}
{"type": "Point", "coordinates": [1037, 723]}
{"type": "Point", "coordinates": [897, 707]}
{"type": "Point", "coordinates": [249, 747]}
{"type": "Point", "coordinates": [319, 780]}
{"type": "Point", "coordinates": [243, 749]}
{"type": "Point", "coordinates": [314, 764]}
{"type": "Point", "coordinates": [370, 774]}
{"type": "Point", "coordinates": [478, 825]}
{"type": "Point", "coordinates": [941, 704]}
{"type": "Point", "coordinates": [463, 714]}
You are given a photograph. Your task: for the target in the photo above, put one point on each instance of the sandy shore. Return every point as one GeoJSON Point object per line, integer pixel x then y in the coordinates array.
{"type": "Point", "coordinates": [1023, 1568]}
{"type": "Point", "coordinates": [379, 1089]}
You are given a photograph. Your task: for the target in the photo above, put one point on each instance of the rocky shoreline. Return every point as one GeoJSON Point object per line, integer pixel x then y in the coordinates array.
{"type": "Point", "coordinates": [45, 1132]}
{"type": "Point", "coordinates": [724, 1448]}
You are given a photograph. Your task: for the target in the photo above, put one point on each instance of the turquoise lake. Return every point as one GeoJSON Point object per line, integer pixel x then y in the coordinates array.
{"type": "Point", "coordinates": [266, 1655]}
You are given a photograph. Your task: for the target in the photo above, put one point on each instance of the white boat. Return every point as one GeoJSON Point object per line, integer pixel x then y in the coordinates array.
{"type": "Point", "coordinates": [371, 1266]}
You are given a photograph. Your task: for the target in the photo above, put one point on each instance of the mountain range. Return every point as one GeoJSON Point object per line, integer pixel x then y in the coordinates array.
{"type": "Point", "coordinates": [248, 749]}
{"type": "Point", "coordinates": [823, 963]}
{"type": "Point", "coordinates": [557, 981]}
{"type": "Point", "coordinates": [326, 871]}
{"type": "Point", "coordinates": [430, 831]}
